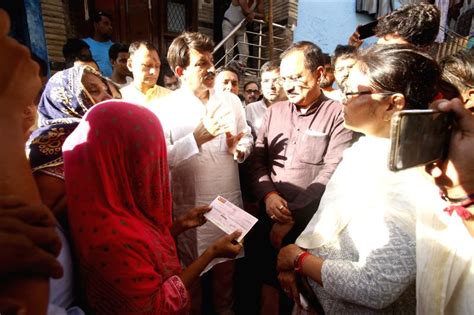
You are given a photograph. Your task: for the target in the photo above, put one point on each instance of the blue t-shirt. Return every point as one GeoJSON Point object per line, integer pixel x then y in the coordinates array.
{"type": "Point", "coordinates": [100, 53]}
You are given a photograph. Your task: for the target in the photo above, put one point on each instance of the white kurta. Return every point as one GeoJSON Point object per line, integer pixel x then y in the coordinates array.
{"type": "Point", "coordinates": [445, 264]}
{"type": "Point", "coordinates": [255, 112]}
{"type": "Point", "coordinates": [198, 175]}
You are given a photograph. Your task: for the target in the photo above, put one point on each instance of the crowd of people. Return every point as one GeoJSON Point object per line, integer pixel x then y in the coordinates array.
{"type": "Point", "coordinates": [113, 163]}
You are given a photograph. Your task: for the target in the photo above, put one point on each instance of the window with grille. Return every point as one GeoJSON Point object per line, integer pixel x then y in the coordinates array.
{"type": "Point", "coordinates": [176, 16]}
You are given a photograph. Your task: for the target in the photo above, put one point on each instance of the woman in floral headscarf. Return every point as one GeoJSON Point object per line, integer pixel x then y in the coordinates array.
{"type": "Point", "coordinates": [67, 97]}
{"type": "Point", "coordinates": [65, 100]}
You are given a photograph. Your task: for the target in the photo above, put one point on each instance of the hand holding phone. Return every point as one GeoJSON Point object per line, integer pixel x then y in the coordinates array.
{"type": "Point", "coordinates": [367, 30]}
{"type": "Point", "coordinates": [419, 137]}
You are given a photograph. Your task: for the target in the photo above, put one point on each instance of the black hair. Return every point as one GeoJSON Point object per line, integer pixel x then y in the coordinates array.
{"type": "Point", "coordinates": [230, 69]}
{"type": "Point", "coordinates": [401, 69]}
{"type": "Point", "coordinates": [137, 44]}
{"type": "Point", "coordinates": [270, 66]}
{"type": "Point", "coordinates": [117, 48]}
{"type": "Point", "coordinates": [97, 16]}
{"type": "Point", "coordinates": [250, 82]}
{"type": "Point", "coordinates": [458, 69]}
{"type": "Point", "coordinates": [343, 51]}
{"type": "Point", "coordinates": [72, 49]}
{"type": "Point", "coordinates": [178, 52]}
{"type": "Point", "coordinates": [418, 24]}
{"type": "Point", "coordinates": [313, 56]}
{"type": "Point", "coordinates": [165, 70]}
{"type": "Point", "coordinates": [326, 59]}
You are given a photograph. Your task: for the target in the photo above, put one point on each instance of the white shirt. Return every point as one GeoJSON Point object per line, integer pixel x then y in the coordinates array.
{"type": "Point", "coordinates": [200, 174]}
{"type": "Point", "coordinates": [255, 112]}
{"type": "Point", "coordinates": [122, 85]}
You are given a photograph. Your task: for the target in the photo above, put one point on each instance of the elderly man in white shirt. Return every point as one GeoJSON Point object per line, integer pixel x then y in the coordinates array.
{"type": "Point", "coordinates": [207, 136]}
{"type": "Point", "coordinates": [272, 92]}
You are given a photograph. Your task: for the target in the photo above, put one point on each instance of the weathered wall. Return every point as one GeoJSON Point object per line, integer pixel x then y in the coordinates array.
{"type": "Point", "coordinates": [329, 22]}
{"type": "Point", "coordinates": [56, 23]}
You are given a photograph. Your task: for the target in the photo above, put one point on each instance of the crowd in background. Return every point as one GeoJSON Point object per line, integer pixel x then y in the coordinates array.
{"type": "Point", "coordinates": [111, 165]}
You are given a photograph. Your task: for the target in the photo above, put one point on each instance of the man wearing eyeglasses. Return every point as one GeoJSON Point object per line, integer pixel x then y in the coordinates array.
{"type": "Point", "coordinates": [298, 147]}
{"type": "Point", "coordinates": [251, 92]}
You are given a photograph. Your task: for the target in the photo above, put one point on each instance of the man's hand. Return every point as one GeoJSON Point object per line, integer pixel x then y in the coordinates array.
{"type": "Point", "coordinates": [250, 17]}
{"type": "Point", "coordinates": [211, 126]}
{"type": "Point", "coordinates": [233, 145]}
{"type": "Point", "coordinates": [202, 135]}
{"type": "Point", "coordinates": [277, 208]}
{"type": "Point", "coordinates": [191, 219]}
{"type": "Point", "coordinates": [288, 284]}
{"type": "Point", "coordinates": [455, 175]}
{"type": "Point", "coordinates": [19, 74]}
{"type": "Point", "coordinates": [278, 232]}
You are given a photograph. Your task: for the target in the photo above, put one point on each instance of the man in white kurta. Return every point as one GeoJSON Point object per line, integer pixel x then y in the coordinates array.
{"type": "Point", "coordinates": [207, 136]}
{"type": "Point", "coordinates": [199, 174]}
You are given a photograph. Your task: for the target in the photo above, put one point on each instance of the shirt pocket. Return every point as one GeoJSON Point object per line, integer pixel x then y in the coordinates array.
{"type": "Point", "coordinates": [312, 147]}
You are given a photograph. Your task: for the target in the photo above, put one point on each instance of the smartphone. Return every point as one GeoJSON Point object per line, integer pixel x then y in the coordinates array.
{"type": "Point", "coordinates": [419, 137]}
{"type": "Point", "coordinates": [367, 30]}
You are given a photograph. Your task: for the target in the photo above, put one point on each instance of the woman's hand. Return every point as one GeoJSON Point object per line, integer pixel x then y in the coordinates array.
{"type": "Point", "coordinates": [286, 257]}
{"type": "Point", "coordinates": [191, 219]}
{"type": "Point", "coordinates": [226, 246]}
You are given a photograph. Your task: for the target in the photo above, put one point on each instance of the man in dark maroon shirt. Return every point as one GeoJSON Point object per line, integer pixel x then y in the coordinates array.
{"type": "Point", "coordinates": [299, 145]}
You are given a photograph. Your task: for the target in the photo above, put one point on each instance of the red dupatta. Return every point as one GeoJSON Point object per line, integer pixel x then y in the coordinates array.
{"type": "Point", "coordinates": [119, 203]}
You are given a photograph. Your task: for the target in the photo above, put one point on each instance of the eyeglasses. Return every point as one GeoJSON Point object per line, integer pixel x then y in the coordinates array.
{"type": "Point", "coordinates": [345, 95]}
{"type": "Point", "coordinates": [249, 91]}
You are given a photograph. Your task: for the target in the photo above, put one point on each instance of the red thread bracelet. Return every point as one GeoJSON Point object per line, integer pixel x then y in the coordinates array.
{"type": "Point", "coordinates": [298, 263]}
{"type": "Point", "coordinates": [461, 209]}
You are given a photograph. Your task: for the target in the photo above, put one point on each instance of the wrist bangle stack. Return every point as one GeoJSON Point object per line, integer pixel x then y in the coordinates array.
{"type": "Point", "coordinates": [298, 263]}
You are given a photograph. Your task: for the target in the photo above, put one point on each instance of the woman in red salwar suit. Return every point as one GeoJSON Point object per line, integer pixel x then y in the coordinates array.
{"type": "Point", "coordinates": [119, 209]}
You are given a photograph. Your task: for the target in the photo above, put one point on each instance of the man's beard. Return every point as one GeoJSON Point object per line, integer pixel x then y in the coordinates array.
{"type": "Point", "coordinates": [325, 83]}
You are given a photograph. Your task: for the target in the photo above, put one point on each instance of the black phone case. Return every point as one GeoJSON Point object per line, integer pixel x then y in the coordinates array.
{"type": "Point", "coordinates": [418, 137]}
